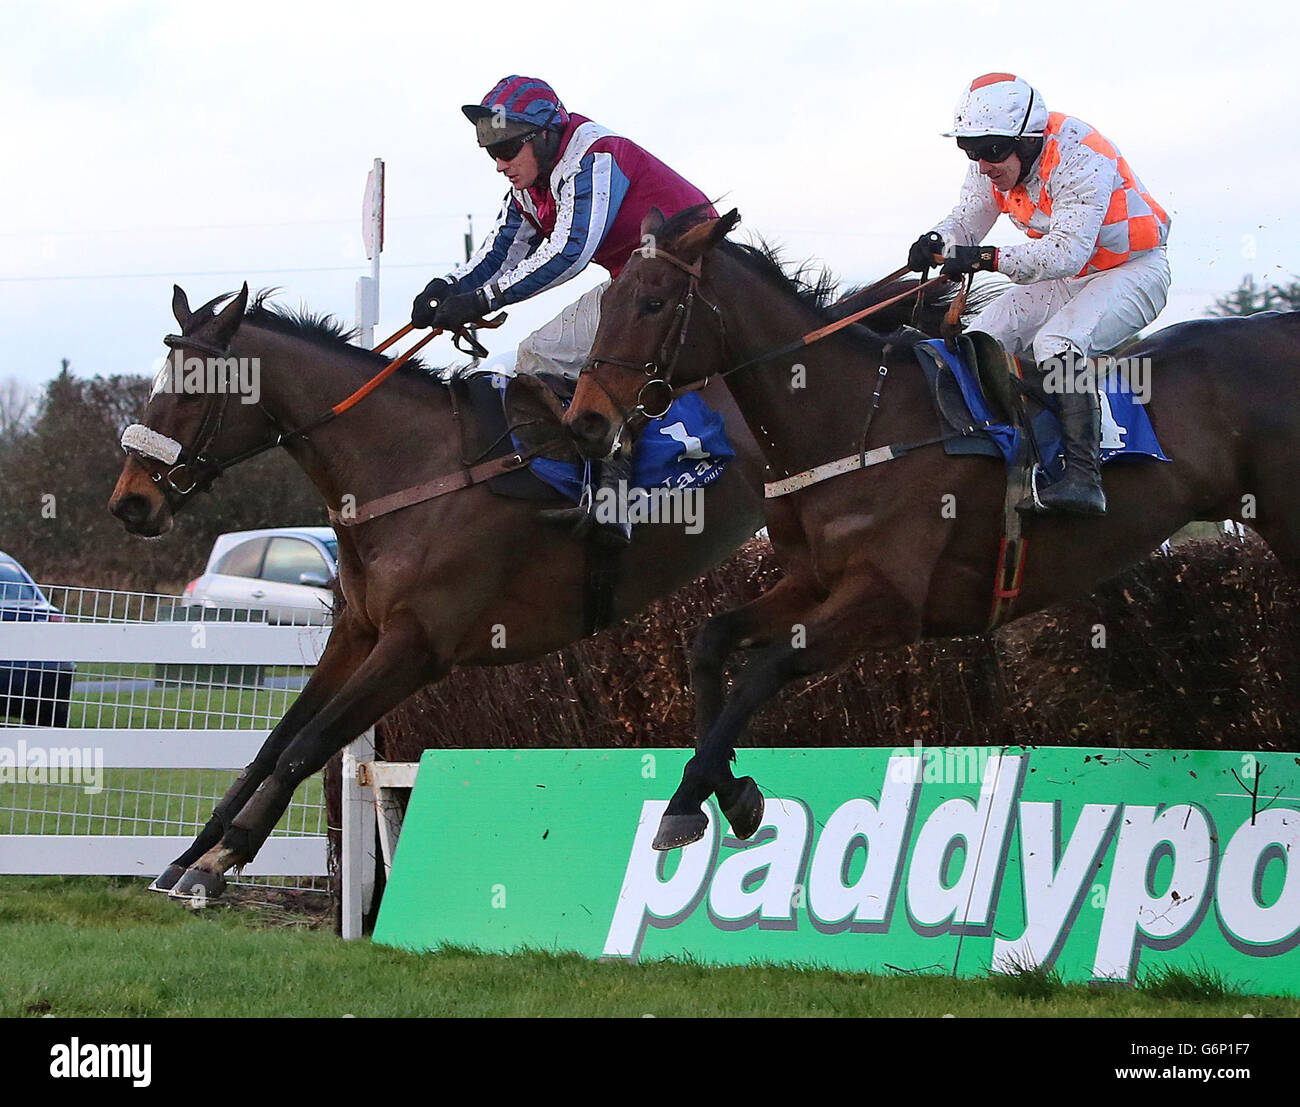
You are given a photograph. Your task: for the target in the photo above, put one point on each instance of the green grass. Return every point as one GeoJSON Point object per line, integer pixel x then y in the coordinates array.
{"type": "Point", "coordinates": [97, 947]}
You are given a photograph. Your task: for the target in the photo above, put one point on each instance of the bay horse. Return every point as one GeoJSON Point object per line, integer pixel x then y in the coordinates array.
{"type": "Point", "coordinates": [469, 578]}
{"type": "Point", "coordinates": [889, 554]}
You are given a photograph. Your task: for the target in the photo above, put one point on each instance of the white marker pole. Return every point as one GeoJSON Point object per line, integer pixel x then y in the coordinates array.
{"type": "Point", "coordinates": [372, 234]}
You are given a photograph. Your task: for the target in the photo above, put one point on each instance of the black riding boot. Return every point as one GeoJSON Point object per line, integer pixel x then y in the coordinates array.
{"type": "Point", "coordinates": [1079, 488]}
{"type": "Point", "coordinates": [615, 527]}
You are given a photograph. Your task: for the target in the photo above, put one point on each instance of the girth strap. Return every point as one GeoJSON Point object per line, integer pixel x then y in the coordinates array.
{"type": "Point", "coordinates": [430, 490]}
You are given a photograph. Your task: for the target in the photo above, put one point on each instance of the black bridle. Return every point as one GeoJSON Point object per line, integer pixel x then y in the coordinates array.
{"type": "Point", "coordinates": [660, 370]}
{"type": "Point", "coordinates": [193, 468]}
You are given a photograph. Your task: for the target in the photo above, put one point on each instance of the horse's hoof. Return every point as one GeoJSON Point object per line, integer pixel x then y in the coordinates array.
{"type": "Point", "coordinates": [198, 884]}
{"type": "Point", "coordinates": [167, 880]}
{"type": "Point", "coordinates": [676, 831]}
{"type": "Point", "coordinates": [745, 811]}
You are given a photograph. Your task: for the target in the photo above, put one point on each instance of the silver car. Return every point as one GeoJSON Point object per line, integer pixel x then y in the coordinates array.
{"type": "Point", "coordinates": [285, 571]}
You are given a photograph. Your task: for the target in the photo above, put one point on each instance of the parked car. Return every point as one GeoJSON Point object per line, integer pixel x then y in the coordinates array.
{"type": "Point", "coordinates": [38, 692]}
{"type": "Point", "coordinates": [285, 571]}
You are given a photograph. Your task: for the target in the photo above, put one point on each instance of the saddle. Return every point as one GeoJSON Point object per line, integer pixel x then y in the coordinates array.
{"type": "Point", "coordinates": [530, 412]}
{"type": "Point", "coordinates": [526, 418]}
{"type": "Point", "coordinates": [1007, 399]}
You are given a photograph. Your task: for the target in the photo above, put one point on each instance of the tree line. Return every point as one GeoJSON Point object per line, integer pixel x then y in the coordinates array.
{"type": "Point", "coordinates": [60, 457]}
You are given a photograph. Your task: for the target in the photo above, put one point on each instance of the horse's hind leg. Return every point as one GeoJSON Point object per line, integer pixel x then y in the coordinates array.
{"type": "Point", "coordinates": [1276, 509]}
{"type": "Point", "coordinates": [346, 648]}
{"type": "Point", "coordinates": [400, 663]}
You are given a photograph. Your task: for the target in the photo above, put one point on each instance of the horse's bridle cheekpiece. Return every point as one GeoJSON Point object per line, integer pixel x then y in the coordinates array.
{"type": "Point", "coordinates": [660, 371]}
{"type": "Point", "coordinates": [189, 469]}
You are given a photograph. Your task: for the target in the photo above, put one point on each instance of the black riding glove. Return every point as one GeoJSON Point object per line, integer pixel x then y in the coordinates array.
{"type": "Point", "coordinates": [921, 256]}
{"type": "Point", "coordinates": [457, 310]}
{"type": "Point", "coordinates": [422, 311]}
{"type": "Point", "coordinates": [970, 259]}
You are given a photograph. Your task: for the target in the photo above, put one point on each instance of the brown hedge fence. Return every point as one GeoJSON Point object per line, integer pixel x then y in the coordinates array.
{"type": "Point", "coordinates": [1201, 651]}
{"type": "Point", "coordinates": [1194, 649]}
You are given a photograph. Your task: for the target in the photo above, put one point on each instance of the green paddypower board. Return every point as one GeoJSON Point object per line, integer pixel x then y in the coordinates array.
{"type": "Point", "coordinates": [1102, 863]}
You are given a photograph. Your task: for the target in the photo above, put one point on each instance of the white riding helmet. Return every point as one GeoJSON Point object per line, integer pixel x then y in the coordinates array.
{"type": "Point", "coordinates": [999, 104]}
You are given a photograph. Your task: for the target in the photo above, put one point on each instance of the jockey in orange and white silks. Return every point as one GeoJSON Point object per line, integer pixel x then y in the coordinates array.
{"type": "Point", "coordinates": [1094, 272]}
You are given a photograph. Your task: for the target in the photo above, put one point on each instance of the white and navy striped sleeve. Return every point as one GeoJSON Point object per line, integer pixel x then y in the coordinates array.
{"type": "Point", "coordinates": [586, 206]}
{"type": "Point", "coordinates": [511, 241]}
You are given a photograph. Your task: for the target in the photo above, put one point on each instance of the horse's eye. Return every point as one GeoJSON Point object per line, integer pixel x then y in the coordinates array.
{"type": "Point", "coordinates": [651, 304]}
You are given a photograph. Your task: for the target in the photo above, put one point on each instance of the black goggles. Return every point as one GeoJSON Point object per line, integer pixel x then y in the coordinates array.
{"type": "Point", "coordinates": [992, 150]}
{"type": "Point", "coordinates": [508, 148]}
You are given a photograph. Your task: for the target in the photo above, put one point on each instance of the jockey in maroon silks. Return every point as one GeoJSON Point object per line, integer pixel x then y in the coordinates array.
{"type": "Point", "coordinates": [578, 194]}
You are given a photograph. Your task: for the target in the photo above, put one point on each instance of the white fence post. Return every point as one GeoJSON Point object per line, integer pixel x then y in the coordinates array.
{"type": "Point", "coordinates": [358, 833]}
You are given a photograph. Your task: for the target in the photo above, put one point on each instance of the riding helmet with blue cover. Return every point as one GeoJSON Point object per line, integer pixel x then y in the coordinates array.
{"type": "Point", "coordinates": [515, 106]}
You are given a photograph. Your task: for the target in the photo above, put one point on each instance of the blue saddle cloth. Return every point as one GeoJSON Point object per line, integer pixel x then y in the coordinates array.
{"type": "Point", "coordinates": [1126, 431]}
{"type": "Point", "coordinates": [684, 448]}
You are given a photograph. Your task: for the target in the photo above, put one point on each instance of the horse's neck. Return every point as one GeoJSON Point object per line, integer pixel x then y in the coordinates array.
{"type": "Point", "coordinates": [397, 434]}
{"type": "Point", "coordinates": [807, 407]}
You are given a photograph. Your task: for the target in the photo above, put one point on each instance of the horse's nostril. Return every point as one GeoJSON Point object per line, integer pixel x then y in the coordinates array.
{"type": "Point", "coordinates": [131, 509]}
{"type": "Point", "coordinates": [590, 427]}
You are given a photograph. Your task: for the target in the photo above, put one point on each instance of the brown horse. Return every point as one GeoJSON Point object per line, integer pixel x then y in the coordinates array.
{"type": "Point", "coordinates": [886, 555]}
{"type": "Point", "coordinates": [469, 578]}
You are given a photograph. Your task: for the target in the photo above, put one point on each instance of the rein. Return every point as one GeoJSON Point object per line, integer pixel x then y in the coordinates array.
{"type": "Point", "coordinates": [673, 342]}
{"type": "Point", "coordinates": [660, 370]}
{"type": "Point", "coordinates": [190, 469]}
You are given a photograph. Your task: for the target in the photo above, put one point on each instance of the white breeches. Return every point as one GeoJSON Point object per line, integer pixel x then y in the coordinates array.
{"type": "Point", "coordinates": [563, 345]}
{"type": "Point", "coordinates": [1092, 314]}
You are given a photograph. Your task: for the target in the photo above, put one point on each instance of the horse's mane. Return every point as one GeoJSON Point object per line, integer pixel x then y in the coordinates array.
{"type": "Point", "coordinates": [816, 287]}
{"type": "Point", "coordinates": [325, 331]}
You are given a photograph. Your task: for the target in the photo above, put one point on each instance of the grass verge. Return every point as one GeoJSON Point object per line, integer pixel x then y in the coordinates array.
{"type": "Point", "coordinates": [95, 947]}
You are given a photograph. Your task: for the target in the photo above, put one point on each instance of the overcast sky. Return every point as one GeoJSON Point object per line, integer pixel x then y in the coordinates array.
{"type": "Point", "coordinates": [208, 144]}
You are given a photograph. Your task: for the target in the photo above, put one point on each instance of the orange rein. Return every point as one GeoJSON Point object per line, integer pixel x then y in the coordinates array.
{"type": "Point", "coordinates": [397, 362]}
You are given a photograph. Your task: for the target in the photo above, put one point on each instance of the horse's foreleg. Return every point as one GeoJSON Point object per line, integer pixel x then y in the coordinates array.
{"type": "Point", "coordinates": [400, 663]}
{"type": "Point", "coordinates": [749, 625]}
{"type": "Point", "coordinates": [871, 615]}
{"type": "Point", "coordinates": [709, 771]}
{"type": "Point", "coordinates": [346, 648]}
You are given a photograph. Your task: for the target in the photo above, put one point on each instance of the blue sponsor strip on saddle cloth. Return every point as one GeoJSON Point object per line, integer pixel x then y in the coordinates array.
{"type": "Point", "coordinates": [687, 447]}
{"type": "Point", "coordinates": [1126, 430]}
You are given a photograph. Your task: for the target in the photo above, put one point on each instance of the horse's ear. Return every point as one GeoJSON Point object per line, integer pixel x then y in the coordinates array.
{"type": "Point", "coordinates": [227, 323]}
{"type": "Point", "coordinates": [701, 238]}
{"type": "Point", "coordinates": [652, 223]}
{"type": "Point", "coordinates": [181, 307]}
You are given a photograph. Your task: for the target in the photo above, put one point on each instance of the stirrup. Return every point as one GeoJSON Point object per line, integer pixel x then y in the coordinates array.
{"type": "Point", "coordinates": [575, 514]}
{"type": "Point", "coordinates": [1089, 498]}
{"type": "Point", "coordinates": [1032, 504]}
